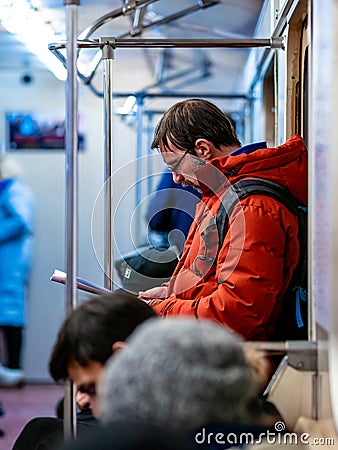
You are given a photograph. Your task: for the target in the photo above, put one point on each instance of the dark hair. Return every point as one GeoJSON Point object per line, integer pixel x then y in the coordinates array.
{"type": "Point", "coordinates": [193, 119]}
{"type": "Point", "coordinates": [91, 329]}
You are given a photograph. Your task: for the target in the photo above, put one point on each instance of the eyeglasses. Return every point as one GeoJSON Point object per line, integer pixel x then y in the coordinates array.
{"type": "Point", "coordinates": [176, 166]}
{"type": "Point", "coordinates": [89, 389]}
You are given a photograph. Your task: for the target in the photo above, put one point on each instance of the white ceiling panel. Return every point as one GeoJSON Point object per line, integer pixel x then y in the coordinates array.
{"type": "Point", "coordinates": [224, 19]}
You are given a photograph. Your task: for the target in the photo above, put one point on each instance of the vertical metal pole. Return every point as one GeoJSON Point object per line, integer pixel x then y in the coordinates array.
{"type": "Point", "coordinates": [150, 130]}
{"type": "Point", "coordinates": [138, 194]}
{"type": "Point", "coordinates": [71, 193]}
{"type": "Point", "coordinates": [107, 57]}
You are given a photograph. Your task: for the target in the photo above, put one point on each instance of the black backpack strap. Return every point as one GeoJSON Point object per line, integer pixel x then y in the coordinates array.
{"type": "Point", "coordinates": [294, 312]}
{"type": "Point", "coordinates": [244, 188]}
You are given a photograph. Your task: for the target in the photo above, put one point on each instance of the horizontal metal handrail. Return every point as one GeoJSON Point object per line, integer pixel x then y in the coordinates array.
{"type": "Point", "coordinates": [275, 42]}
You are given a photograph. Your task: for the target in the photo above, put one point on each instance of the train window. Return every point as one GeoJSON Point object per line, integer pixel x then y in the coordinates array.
{"type": "Point", "coordinates": [269, 107]}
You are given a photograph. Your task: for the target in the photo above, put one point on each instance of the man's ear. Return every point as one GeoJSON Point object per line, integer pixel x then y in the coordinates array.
{"type": "Point", "coordinates": [204, 149]}
{"type": "Point", "coordinates": [118, 345]}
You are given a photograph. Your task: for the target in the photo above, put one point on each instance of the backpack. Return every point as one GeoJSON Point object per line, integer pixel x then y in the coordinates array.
{"type": "Point", "coordinates": [146, 267]}
{"type": "Point", "coordinates": [292, 323]}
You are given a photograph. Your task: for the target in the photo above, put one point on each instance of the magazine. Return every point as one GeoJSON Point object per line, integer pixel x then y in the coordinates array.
{"type": "Point", "coordinates": [61, 277]}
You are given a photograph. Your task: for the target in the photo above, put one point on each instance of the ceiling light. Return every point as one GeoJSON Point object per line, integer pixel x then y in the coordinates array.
{"type": "Point", "coordinates": [24, 19]}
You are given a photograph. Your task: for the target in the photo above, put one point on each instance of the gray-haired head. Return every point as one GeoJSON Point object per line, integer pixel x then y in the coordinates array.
{"type": "Point", "coordinates": [179, 373]}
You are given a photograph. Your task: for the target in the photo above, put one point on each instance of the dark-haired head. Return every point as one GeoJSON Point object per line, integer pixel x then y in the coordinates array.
{"type": "Point", "coordinates": [91, 329]}
{"type": "Point", "coordinates": [193, 119]}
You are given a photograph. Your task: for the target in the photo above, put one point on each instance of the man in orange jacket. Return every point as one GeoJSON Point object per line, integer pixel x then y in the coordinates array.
{"type": "Point", "coordinates": [239, 282]}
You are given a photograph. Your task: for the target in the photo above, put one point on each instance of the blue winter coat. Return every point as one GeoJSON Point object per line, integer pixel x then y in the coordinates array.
{"type": "Point", "coordinates": [172, 209]}
{"type": "Point", "coordinates": [16, 240]}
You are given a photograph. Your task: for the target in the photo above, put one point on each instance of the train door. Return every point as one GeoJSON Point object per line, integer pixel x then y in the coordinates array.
{"type": "Point", "coordinates": [303, 393]}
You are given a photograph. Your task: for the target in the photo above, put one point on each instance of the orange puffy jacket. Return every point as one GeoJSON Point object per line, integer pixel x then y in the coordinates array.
{"type": "Point", "coordinates": [243, 288]}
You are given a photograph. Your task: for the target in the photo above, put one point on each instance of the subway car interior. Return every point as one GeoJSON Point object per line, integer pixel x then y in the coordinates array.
{"type": "Point", "coordinates": [84, 84]}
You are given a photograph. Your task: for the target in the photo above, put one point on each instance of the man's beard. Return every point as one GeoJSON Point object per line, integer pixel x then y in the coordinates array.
{"type": "Point", "coordinates": [188, 184]}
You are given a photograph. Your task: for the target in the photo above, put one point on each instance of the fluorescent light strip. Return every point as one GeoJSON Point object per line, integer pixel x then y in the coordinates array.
{"type": "Point", "coordinates": [24, 19]}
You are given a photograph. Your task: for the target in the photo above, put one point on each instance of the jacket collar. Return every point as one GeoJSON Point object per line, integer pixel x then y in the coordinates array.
{"type": "Point", "coordinates": [212, 176]}
{"type": "Point", "coordinates": [4, 184]}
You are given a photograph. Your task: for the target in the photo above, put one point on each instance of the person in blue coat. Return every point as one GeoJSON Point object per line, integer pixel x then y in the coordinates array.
{"type": "Point", "coordinates": [16, 248]}
{"type": "Point", "coordinates": [170, 212]}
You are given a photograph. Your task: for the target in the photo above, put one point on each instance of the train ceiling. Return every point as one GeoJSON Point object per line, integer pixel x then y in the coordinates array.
{"type": "Point", "coordinates": [168, 69]}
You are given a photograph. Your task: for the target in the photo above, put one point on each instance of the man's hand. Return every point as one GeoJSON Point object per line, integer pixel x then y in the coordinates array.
{"type": "Point", "coordinates": [159, 292]}
{"type": "Point", "coordinates": [82, 400]}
